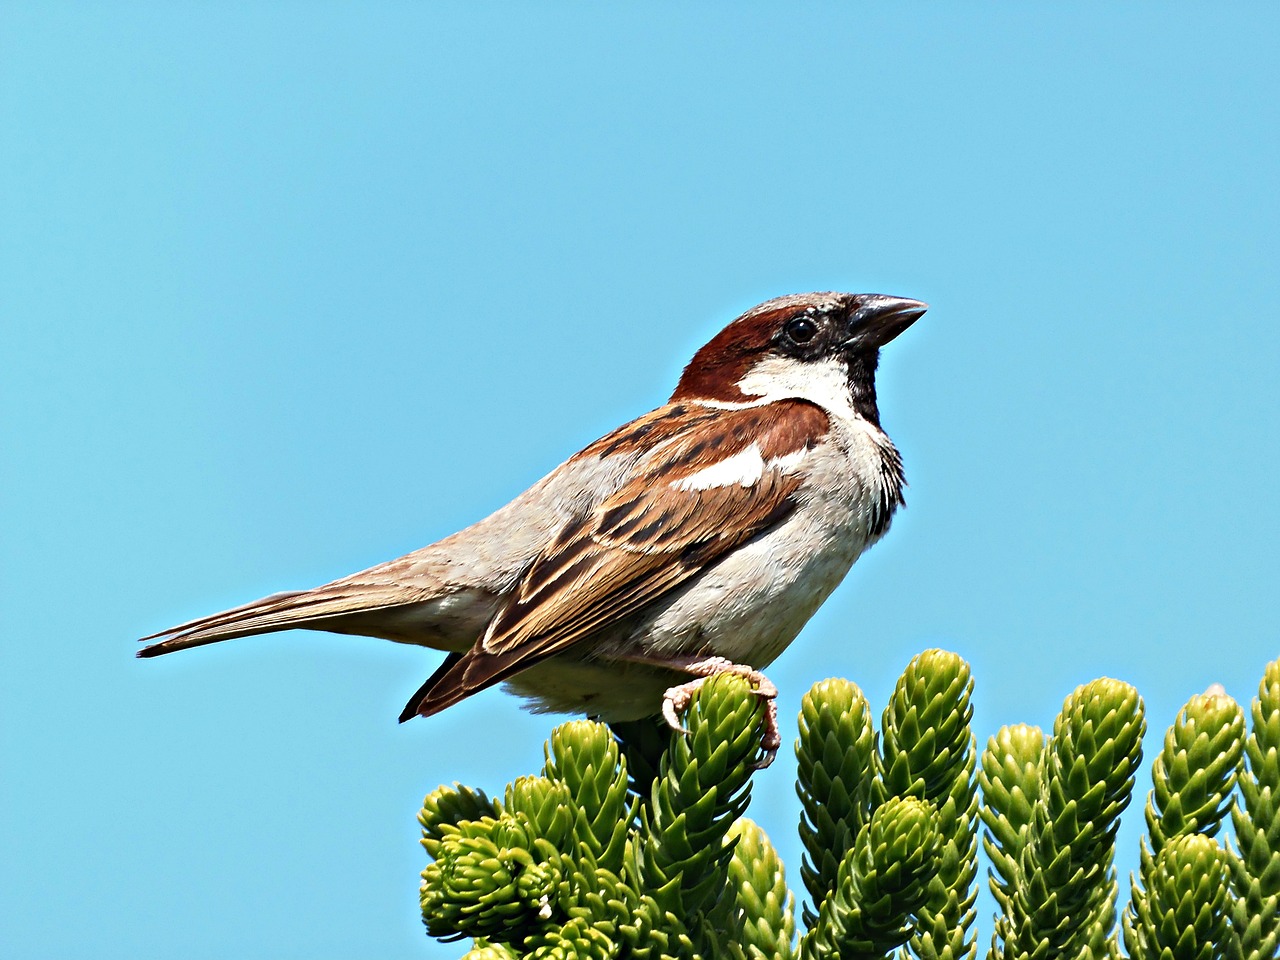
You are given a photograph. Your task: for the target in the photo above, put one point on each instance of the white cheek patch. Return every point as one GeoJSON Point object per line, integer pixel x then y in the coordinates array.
{"type": "Point", "coordinates": [822, 382]}
{"type": "Point", "coordinates": [742, 469]}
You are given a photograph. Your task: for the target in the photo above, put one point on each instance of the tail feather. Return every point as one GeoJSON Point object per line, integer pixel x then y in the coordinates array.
{"type": "Point", "coordinates": [280, 611]}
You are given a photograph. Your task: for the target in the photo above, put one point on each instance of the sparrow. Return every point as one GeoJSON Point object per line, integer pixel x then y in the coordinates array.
{"type": "Point", "coordinates": [695, 540]}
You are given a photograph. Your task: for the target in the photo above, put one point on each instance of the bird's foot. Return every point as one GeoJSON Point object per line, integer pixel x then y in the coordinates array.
{"type": "Point", "coordinates": [677, 698]}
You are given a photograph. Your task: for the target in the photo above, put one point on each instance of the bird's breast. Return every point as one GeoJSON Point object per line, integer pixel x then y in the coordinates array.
{"type": "Point", "coordinates": [753, 602]}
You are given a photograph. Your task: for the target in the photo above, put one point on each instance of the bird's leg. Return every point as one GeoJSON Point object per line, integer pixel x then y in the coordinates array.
{"type": "Point", "coordinates": [677, 698]}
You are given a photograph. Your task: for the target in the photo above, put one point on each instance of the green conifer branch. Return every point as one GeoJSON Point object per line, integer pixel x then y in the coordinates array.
{"type": "Point", "coordinates": [762, 923]}
{"type": "Point", "coordinates": [492, 878]}
{"type": "Point", "coordinates": [1256, 818]}
{"type": "Point", "coordinates": [1192, 782]}
{"type": "Point", "coordinates": [1195, 774]}
{"type": "Point", "coordinates": [1186, 912]}
{"type": "Point", "coordinates": [883, 880]}
{"type": "Point", "coordinates": [836, 762]}
{"type": "Point", "coordinates": [703, 786]}
{"type": "Point", "coordinates": [585, 757]}
{"type": "Point", "coordinates": [1064, 878]}
{"type": "Point", "coordinates": [546, 806]}
{"type": "Point", "coordinates": [631, 842]}
{"type": "Point", "coordinates": [1010, 779]}
{"type": "Point", "coordinates": [448, 806]}
{"type": "Point", "coordinates": [928, 751]}
{"type": "Point", "coordinates": [484, 950]}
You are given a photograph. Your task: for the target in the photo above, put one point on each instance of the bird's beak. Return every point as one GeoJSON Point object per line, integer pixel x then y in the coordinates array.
{"type": "Point", "coordinates": [875, 319]}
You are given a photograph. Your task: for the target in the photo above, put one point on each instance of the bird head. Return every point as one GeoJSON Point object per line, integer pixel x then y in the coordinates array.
{"type": "Point", "coordinates": [821, 347]}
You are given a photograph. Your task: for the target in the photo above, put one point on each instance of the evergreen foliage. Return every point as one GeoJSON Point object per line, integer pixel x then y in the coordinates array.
{"type": "Point", "coordinates": [632, 843]}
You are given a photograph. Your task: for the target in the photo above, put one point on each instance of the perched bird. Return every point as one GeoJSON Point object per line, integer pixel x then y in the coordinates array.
{"type": "Point", "coordinates": [694, 540]}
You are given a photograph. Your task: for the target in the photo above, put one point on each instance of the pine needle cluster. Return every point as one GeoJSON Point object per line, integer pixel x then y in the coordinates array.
{"type": "Point", "coordinates": [632, 841]}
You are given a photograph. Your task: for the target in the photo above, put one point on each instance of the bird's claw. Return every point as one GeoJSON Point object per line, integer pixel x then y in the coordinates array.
{"type": "Point", "coordinates": [677, 699]}
{"type": "Point", "coordinates": [673, 702]}
{"type": "Point", "coordinates": [771, 740]}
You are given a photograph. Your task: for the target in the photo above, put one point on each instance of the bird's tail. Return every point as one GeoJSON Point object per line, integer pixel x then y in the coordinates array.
{"type": "Point", "coordinates": [325, 608]}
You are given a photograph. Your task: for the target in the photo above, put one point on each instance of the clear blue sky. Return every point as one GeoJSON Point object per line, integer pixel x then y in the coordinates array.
{"type": "Point", "coordinates": [287, 292]}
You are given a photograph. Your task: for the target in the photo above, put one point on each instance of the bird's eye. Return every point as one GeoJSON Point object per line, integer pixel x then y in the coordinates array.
{"type": "Point", "coordinates": [801, 329]}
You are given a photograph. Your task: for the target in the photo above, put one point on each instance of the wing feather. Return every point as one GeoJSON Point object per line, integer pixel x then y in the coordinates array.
{"type": "Point", "coordinates": [644, 541]}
